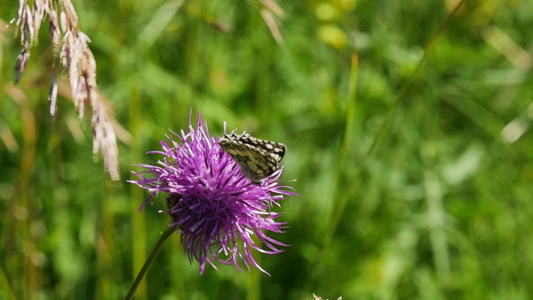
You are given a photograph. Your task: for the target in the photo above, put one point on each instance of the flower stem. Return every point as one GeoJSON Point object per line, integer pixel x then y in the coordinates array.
{"type": "Point", "coordinates": [166, 234]}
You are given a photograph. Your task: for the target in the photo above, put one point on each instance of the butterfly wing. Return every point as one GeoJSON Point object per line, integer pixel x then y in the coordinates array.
{"type": "Point", "coordinates": [256, 158]}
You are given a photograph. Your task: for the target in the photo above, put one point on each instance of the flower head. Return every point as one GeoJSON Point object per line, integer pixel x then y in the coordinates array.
{"type": "Point", "coordinates": [216, 208]}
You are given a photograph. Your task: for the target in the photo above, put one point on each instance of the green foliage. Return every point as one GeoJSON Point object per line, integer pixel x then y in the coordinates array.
{"type": "Point", "coordinates": [415, 168]}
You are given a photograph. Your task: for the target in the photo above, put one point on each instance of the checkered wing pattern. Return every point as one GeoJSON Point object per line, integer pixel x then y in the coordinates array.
{"type": "Point", "coordinates": [256, 158]}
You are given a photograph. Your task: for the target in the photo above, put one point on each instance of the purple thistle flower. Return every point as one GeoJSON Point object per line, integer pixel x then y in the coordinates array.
{"type": "Point", "coordinates": [215, 207]}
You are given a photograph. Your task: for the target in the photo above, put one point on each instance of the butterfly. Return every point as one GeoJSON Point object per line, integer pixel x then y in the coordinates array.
{"type": "Point", "coordinates": [256, 158]}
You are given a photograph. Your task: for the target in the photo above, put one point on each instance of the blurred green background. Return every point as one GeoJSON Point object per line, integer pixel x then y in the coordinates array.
{"type": "Point", "coordinates": [415, 170]}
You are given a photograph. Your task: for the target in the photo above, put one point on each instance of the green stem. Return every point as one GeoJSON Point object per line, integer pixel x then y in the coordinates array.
{"type": "Point", "coordinates": [166, 234]}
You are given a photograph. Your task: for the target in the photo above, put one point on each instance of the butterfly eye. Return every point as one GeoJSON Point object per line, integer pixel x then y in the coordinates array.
{"type": "Point", "coordinates": [256, 158]}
